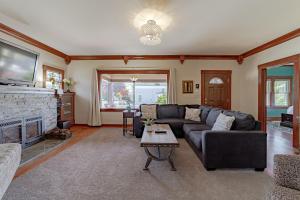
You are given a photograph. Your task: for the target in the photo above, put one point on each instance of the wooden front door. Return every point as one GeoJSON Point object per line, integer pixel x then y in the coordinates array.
{"type": "Point", "coordinates": [216, 88]}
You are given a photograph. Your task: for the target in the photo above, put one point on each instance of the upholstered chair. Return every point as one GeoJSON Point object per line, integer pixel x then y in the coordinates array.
{"type": "Point", "coordinates": [286, 177]}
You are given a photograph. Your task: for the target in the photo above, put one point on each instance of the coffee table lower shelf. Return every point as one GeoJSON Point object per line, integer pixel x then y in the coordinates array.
{"type": "Point", "coordinates": [159, 158]}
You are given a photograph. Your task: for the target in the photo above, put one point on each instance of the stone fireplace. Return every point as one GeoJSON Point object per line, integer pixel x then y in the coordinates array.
{"type": "Point", "coordinates": [26, 114]}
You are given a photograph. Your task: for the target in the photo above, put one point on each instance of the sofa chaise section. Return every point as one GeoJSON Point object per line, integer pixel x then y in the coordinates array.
{"type": "Point", "coordinates": [244, 146]}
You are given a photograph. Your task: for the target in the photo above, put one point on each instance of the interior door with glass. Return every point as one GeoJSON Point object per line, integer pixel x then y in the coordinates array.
{"type": "Point", "coordinates": [216, 88]}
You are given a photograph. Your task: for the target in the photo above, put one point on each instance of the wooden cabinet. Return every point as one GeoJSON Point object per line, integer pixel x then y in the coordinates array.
{"type": "Point", "coordinates": [65, 108]}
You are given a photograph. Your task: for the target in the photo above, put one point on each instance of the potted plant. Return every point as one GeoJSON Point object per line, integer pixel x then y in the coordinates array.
{"type": "Point", "coordinates": [128, 102]}
{"type": "Point", "coordinates": [148, 124]}
{"type": "Point", "coordinates": [69, 83]}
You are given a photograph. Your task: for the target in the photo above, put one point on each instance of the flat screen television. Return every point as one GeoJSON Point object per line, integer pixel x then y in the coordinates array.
{"type": "Point", "coordinates": [17, 64]}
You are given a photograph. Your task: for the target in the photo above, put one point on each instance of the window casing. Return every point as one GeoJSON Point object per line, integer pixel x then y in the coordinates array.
{"type": "Point", "coordinates": [278, 92]}
{"type": "Point", "coordinates": [118, 93]}
{"type": "Point", "coordinates": [53, 73]}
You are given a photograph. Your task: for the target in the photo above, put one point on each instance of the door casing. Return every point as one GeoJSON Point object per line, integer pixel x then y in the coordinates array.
{"type": "Point", "coordinates": [262, 109]}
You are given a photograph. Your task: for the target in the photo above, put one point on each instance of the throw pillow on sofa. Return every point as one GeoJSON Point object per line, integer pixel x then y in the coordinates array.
{"type": "Point", "coordinates": [192, 114]}
{"type": "Point", "coordinates": [148, 111]}
{"type": "Point", "coordinates": [223, 123]}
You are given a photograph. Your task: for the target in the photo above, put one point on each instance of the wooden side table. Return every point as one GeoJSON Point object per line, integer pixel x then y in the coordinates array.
{"type": "Point", "coordinates": [126, 115]}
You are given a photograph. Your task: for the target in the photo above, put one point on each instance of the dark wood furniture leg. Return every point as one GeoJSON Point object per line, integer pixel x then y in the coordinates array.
{"type": "Point", "coordinates": [152, 157]}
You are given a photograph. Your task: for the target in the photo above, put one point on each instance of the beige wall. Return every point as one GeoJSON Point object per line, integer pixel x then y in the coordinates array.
{"type": "Point", "coordinates": [81, 72]}
{"type": "Point", "coordinates": [244, 78]}
{"type": "Point", "coordinates": [249, 85]}
{"type": "Point", "coordinates": [44, 56]}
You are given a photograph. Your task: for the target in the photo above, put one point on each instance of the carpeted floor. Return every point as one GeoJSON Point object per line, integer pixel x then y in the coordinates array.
{"type": "Point", "coordinates": [107, 165]}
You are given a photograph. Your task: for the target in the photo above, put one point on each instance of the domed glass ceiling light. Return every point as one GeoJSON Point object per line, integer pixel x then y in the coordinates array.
{"type": "Point", "coordinates": [151, 33]}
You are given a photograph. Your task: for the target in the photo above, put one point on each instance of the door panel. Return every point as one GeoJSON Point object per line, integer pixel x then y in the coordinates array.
{"type": "Point", "coordinates": [216, 88]}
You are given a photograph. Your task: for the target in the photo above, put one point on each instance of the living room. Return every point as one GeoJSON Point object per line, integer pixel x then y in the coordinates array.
{"type": "Point", "coordinates": [114, 87]}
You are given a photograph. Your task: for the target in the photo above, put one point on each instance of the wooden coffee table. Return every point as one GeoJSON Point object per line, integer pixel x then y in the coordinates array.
{"type": "Point", "coordinates": [165, 140]}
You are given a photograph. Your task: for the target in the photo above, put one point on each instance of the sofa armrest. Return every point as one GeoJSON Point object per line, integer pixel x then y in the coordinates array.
{"type": "Point", "coordinates": [138, 125]}
{"type": "Point", "coordinates": [257, 126]}
{"type": "Point", "coordinates": [234, 149]}
{"type": "Point", "coordinates": [287, 171]}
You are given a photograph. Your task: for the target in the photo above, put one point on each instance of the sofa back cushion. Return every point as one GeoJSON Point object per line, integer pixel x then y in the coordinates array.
{"type": "Point", "coordinates": [242, 121]}
{"type": "Point", "coordinates": [212, 116]}
{"type": "Point", "coordinates": [148, 111]}
{"type": "Point", "coordinates": [204, 112]}
{"type": "Point", "coordinates": [167, 111]}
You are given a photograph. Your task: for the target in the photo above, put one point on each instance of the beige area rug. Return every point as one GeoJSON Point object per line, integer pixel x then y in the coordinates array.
{"type": "Point", "coordinates": [107, 165]}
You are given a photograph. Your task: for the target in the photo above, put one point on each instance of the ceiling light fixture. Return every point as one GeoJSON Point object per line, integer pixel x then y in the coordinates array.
{"type": "Point", "coordinates": [151, 33]}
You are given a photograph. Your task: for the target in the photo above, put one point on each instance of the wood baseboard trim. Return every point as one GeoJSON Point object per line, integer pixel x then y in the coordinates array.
{"type": "Point", "coordinates": [102, 126]}
{"type": "Point", "coordinates": [113, 125]}
{"type": "Point", "coordinates": [81, 125]}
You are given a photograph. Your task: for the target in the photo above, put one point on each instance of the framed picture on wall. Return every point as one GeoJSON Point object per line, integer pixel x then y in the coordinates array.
{"type": "Point", "coordinates": [187, 86]}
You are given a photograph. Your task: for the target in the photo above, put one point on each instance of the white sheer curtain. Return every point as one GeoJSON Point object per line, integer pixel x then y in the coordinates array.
{"type": "Point", "coordinates": [172, 86]}
{"type": "Point", "coordinates": [94, 115]}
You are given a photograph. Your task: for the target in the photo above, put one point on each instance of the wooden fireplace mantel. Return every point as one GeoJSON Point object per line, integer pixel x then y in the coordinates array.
{"type": "Point", "coordinates": [6, 89]}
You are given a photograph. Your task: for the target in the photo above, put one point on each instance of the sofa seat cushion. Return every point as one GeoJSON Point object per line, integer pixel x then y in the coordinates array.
{"type": "Point", "coordinates": [175, 124]}
{"type": "Point", "coordinates": [174, 121]}
{"type": "Point", "coordinates": [188, 127]}
{"type": "Point", "coordinates": [195, 137]}
{"type": "Point", "coordinates": [242, 121]}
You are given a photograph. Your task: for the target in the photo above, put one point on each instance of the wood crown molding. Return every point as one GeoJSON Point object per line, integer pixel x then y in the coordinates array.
{"type": "Point", "coordinates": [272, 43]}
{"type": "Point", "coordinates": [18, 35]}
{"type": "Point", "coordinates": [239, 58]}
{"type": "Point", "coordinates": [180, 58]}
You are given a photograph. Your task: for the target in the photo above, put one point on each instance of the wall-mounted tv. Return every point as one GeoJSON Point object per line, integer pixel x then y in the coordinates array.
{"type": "Point", "coordinates": [17, 64]}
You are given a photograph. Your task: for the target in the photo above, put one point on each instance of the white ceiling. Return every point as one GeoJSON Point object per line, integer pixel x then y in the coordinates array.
{"type": "Point", "coordinates": [88, 27]}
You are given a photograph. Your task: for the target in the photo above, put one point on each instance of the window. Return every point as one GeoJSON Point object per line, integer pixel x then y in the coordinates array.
{"type": "Point", "coordinates": [53, 77]}
{"type": "Point", "coordinates": [278, 92]}
{"type": "Point", "coordinates": [122, 88]}
{"type": "Point", "coordinates": [216, 80]}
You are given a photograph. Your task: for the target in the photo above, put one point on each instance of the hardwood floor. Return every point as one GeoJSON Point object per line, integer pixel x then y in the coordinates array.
{"type": "Point", "coordinates": [278, 143]}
